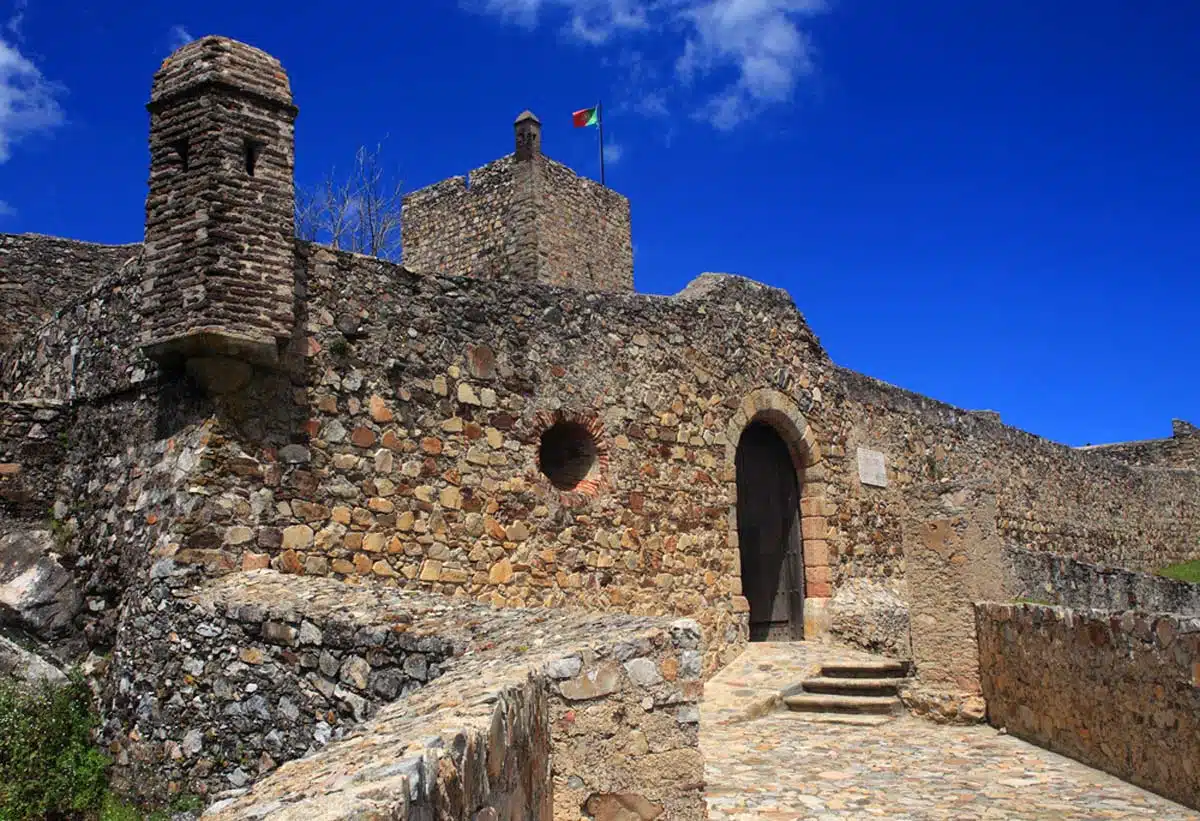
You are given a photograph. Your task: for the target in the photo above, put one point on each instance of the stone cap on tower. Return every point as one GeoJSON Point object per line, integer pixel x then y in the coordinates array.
{"type": "Point", "coordinates": [528, 129]}
{"type": "Point", "coordinates": [223, 62]}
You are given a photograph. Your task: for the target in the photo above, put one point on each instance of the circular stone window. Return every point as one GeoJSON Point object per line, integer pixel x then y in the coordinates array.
{"type": "Point", "coordinates": [567, 454]}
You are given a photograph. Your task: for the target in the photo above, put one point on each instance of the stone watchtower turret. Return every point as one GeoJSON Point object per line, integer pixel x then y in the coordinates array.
{"type": "Point", "coordinates": [219, 250]}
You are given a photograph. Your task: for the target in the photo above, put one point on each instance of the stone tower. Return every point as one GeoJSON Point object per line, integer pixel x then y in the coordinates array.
{"type": "Point", "coordinates": [219, 251]}
{"type": "Point", "coordinates": [523, 216]}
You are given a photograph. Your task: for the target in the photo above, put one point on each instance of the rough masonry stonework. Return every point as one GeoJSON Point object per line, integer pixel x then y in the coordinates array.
{"type": "Point", "coordinates": [39, 275]}
{"type": "Point", "coordinates": [1118, 691]}
{"type": "Point", "coordinates": [219, 213]}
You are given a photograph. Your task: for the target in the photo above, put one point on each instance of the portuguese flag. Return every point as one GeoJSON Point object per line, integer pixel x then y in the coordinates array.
{"type": "Point", "coordinates": [586, 116]}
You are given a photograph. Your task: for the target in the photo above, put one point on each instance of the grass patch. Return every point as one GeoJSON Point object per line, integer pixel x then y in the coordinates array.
{"type": "Point", "coordinates": [116, 809]}
{"type": "Point", "coordinates": [1184, 572]}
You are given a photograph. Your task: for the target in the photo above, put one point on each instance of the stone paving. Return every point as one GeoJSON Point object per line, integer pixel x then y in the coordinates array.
{"type": "Point", "coordinates": [770, 765]}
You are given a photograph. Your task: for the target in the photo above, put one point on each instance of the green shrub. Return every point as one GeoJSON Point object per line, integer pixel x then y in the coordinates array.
{"type": "Point", "coordinates": [49, 767]}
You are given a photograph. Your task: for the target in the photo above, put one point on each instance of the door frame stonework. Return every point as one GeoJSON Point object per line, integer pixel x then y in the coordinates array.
{"type": "Point", "coordinates": [783, 415]}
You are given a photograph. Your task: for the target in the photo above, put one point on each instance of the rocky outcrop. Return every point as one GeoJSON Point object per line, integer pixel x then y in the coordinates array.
{"type": "Point", "coordinates": [24, 665]}
{"type": "Point", "coordinates": [37, 594]}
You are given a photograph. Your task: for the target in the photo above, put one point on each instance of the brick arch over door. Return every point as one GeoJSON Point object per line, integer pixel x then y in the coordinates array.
{"type": "Point", "coordinates": [784, 417]}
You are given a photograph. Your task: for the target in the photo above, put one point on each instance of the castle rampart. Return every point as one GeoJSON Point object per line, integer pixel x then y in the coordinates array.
{"type": "Point", "coordinates": [1182, 450]}
{"type": "Point", "coordinates": [39, 275]}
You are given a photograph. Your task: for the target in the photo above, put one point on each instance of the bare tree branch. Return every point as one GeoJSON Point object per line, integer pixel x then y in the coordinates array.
{"type": "Point", "coordinates": [359, 213]}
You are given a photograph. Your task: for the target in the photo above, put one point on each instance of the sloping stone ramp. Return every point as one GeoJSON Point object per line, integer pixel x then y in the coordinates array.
{"type": "Point", "coordinates": [766, 762]}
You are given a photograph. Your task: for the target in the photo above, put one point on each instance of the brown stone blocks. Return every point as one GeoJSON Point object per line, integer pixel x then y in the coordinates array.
{"type": "Point", "coordinates": [816, 553]}
{"type": "Point", "coordinates": [814, 527]}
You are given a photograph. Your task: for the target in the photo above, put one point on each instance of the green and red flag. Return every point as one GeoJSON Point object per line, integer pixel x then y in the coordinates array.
{"type": "Point", "coordinates": [586, 116]}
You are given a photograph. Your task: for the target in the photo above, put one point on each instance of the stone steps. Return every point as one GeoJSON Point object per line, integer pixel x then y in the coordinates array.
{"type": "Point", "coordinates": [864, 692]}
{"type": "Point", "coordinates": [824, 703]}
{"type": "Point", "coordinates": [875, 668]}
{"type": "Point", "coordinates": [852, 719]}
{"type": "Point", "coordinates": [852, 686]}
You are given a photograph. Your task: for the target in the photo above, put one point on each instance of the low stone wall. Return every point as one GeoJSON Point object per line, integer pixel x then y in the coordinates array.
{"type": "Point", "coordinates": [39, 274]}
{"type": "Point", "coordinates": [209, 692]}
{"type": "Point", "coordinates": [467, 708]}
{"type": "Point", "coordinates": [1066, 582]}
{"type": "Point", "coordinates": [1117, 691]}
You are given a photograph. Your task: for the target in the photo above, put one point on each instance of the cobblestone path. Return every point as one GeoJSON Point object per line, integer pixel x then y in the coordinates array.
{"type": "Point", "coordinates": [779, 767]}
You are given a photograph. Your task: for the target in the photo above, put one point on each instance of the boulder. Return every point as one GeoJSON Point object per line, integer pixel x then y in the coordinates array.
{"type": "Point", "coordinates": [872, 615]}
{"type": "Point", "coordinates": [24, 665]}
{"type": "Point", "coordinates": [37, 594]}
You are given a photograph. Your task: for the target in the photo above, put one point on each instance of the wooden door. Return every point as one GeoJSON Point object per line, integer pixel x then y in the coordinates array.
{"type": "Point", "coordinates": [769, 539]}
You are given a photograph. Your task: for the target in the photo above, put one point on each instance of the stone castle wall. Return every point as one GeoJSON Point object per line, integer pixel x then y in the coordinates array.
{"type": "Point", "coordinates": [40, 274]}
{"type": "Point", "coordinates": [527, 218]}
{"type": "Point", "coordinates": [402, 447]}
{"type": "Point", "coordinates": [1117, 691]}
{"type": "Point", "coordinates": [1049, 497]}
{"type": "Point", "coordinates": [415, 460]}
{"type": "Point", "coordinates": [1064, 582]}
{"type": "Point", "coordinates": [464, 226]}
{"type": "Point", "coordinates": [88, 350]}
{"type": "Point", "coordinates": [1182, 450]}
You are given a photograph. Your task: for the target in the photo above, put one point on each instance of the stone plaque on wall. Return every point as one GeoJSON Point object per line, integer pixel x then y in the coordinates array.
{"type": "Point", "coordinates": [871, 468]}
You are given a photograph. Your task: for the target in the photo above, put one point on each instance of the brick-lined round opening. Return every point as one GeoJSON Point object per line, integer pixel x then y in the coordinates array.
{"type": "Point", "coordinates": [567, 454]}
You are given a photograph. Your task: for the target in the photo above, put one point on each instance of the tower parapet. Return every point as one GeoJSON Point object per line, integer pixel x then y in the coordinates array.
{"type": "Point", "coordinates": [523, 216]}
{"type": "Point", "coordinates": [219, 249]}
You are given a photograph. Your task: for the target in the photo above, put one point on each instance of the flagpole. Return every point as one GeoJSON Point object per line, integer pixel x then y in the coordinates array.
{"type": "Point", "coordinates": [600, 123]}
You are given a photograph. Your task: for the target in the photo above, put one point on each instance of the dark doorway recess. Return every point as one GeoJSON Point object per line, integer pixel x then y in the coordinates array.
{"type": "Point", "coordinates": [768, 526]}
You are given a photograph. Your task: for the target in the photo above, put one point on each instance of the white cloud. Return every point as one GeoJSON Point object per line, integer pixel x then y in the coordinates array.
{"type": "Point", "coordinates": [180, 36]}
{"type": "Point", "coordinates": [762, 40]}
{"type": "Point", "coordinates": [28, 101]}
{"type": "Point", "coordinates": [18, 17]}
{"type": "Point", "coordinates": [736, 56]}
{"type": "Point", "coordinates": [613, 152]}
{"type": "Point", "coordinates": [592, 21]}
{"type": "Point", "coordinates": [652, 104]}
{"type": "Point", "coordinates": [7, 210]}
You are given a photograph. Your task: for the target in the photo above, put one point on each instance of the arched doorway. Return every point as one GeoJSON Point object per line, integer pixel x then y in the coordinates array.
{"type": "Point", "coordinates": [769, 538]}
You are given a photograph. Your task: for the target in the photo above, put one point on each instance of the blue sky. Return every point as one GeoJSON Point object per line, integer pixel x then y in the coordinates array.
{"type": "Point", "coordinates": [996, 204]}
